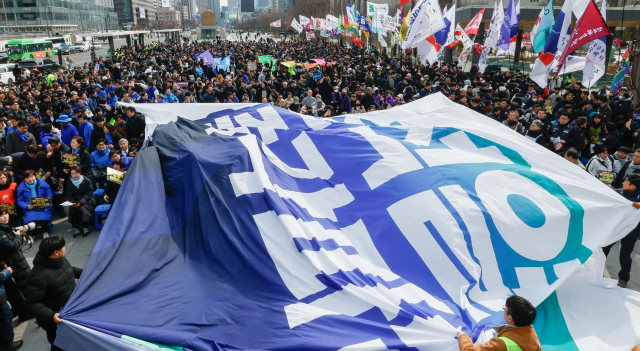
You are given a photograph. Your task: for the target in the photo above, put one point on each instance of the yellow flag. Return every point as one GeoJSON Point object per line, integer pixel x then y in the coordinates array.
{"type": "Point", "coordinates": [404, 28]}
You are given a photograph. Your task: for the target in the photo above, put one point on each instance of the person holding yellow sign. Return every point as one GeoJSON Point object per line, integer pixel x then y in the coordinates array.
{"type": "Point", "coordinates": [601, 166]}
{"type": "Point", "coordinates": [35, 198]}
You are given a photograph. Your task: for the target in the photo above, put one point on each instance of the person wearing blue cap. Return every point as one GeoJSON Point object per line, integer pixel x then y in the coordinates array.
{"type": "Point", "coordinates": [67, 130]}
{"type": "Point", "coordinates": [101, 93]}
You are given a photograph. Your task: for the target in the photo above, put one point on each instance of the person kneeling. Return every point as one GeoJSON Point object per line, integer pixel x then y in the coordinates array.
{"type": "Point", "coordinates": [517, 335]}
{"type": "Point", "coordinates": [80, 192]}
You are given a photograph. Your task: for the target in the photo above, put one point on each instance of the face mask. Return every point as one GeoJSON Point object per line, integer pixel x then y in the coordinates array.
{"type": "Point", "coordinates": [534, 100]}
{"type": "Point", "coordinates": [621, 97]}
{"type": "Point", "coordinates": [503, 88]}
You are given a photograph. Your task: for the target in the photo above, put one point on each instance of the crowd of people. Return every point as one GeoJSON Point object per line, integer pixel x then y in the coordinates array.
{"type": "Point", "coordinates": [59, 131]}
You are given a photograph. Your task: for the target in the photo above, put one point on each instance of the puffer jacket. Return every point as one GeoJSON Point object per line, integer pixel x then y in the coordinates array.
{"type": "Point", "coordinates": [51, 283]}
{"type": "Point", "coordinates": [11, 254]}
{"type": "Point", "coordinates": [597, 165]}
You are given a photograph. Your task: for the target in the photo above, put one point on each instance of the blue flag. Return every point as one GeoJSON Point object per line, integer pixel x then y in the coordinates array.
{"type": "Point", "coordinates": [364, 24]}
{"type": "Point", "coordinates": [509, 25]}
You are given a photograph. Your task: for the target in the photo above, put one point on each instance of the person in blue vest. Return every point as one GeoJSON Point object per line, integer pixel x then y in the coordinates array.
{"type": "Point", "coordinates": [31, 187]}
{"type": "Point", "coordinates": [517, 335]}
{"type": "Point", "coordinates": [67, 130]}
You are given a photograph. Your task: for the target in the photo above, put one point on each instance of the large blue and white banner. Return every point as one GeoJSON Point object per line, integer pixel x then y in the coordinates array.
{"type": "Point", "coordinates": [249, 227]}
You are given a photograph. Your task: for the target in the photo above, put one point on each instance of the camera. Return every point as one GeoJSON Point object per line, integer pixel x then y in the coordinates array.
{"type": "Point", "coordinates": [26, 227]}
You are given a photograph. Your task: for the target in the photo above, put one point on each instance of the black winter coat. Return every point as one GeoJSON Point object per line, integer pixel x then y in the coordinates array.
{"type": "Point", "coordinates": [83, 194]}
{"type": "Point", "coordinates": [51, 283]}
{"type": "Point", "coordinates": [11, 254]}
{"type": "Point", "coordinates": [135, 127]}
{"type": "Point", "coordinates": [84, 159]}
{"type": "Point", "coordinates": [56, 160]}
{"type": "Point", "coordinates": [26, 163]}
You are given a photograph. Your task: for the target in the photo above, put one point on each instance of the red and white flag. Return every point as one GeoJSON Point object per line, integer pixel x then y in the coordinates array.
{"type": "Point", "coordinates": [479, 47]}
{"type": "Point", "coordinates": [589, 27]}
{"type": "Point", "coordinates": [471, 28]}
{"type": "Point", "coordinates": [311, 35]}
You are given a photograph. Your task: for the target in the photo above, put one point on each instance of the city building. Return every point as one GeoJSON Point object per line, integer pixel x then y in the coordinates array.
{"type": "Point", "coordinates": [167, 15]}
{"type": "Point", "coordinates": [144, 12]}
{"type": "Point", "coordinates": [184, 12]}
{"type": "Point", "coordinates": [87, 16]}
{"type": "Point", "coordinates": [282, 5]}
{"type": "Point", "coordinates": [124, 9]}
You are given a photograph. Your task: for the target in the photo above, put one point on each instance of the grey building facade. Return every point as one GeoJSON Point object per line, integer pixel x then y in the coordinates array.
{"type": "Point", "coordinates": [88, 16]}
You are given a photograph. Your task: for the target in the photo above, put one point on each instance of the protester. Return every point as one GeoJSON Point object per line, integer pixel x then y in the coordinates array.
{"type": "Point", "coordinates": [6, 324]}
{"type": "Point", "coordinates": [80, 193]}
{"type": "Point", "coordinates": [572, 156]}
{"type": "Point", "coordinates": [631, 191]}
{"type": "Point", "coordinates": [19, 139]}
{"type": "Point", "coordinates": [11, 254]}
{"type": "Point", "coordinates": [51, 283]}
{"type": "Point", "coordinates": [517, 334]}
{"type": "Point", "coordinates": [111, 189]}
{"type": "Point", "coordinates": [33, 187]}
{"type": "Point", "coordinates": [600, 163]}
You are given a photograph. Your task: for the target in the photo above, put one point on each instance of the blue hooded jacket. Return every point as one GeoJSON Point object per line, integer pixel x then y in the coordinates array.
{"type": "Point", "coordinates": [100, 158]}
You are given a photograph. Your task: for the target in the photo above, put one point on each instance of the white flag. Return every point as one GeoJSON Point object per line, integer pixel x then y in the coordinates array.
{"type": "Point", "coordinates": [277, 23]}
{"type": "Point", "coordinates": [426, 19]}
{"type": "Point", "coordinates": [385, 22]}
{"type": "Point", "coordinates": [594, 67]}
{"type": "Point", "coordinates": [482, 61]}
{"type": "Point", "coordinates": [373, 7]}
{"type": "Point", "coordinates": [304, 22]}
{"type": "Point", "coordinates": [383, 42]}
{"type": "Point", "coordinates": [451, 37]}
{"type": "Point", "coordinates": [332, 22]}
{"type": "Point", "coordinates": [494, 29]}
{"type": "Point", "coordinates": [297, 26]}
{"type": "Point", "coordinates": [467, 43]}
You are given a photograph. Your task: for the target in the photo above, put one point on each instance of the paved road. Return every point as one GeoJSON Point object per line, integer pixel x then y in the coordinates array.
{"type": "Point", "coordinates": [81, 58]}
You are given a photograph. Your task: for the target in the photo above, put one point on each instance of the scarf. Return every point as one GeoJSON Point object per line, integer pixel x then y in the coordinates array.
{"type": "Point", "coordinates": [75, 151]}
{"type": "Point", "coordinates": [77, 182]}
{"type": "Point", "coordinates": [33, 188]}
{"type": "Point", "coordinates": [22, 136]}
{"type": "Point", "coordinates": [632, 167]}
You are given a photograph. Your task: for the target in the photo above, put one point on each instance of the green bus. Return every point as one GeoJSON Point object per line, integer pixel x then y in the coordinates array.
{"type": "Point", "coordinates": [20, 49]}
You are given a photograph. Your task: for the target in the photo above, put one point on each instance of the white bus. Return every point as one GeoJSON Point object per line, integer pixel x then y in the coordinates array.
{"type": "Point", "coordinates": [58, 41]}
